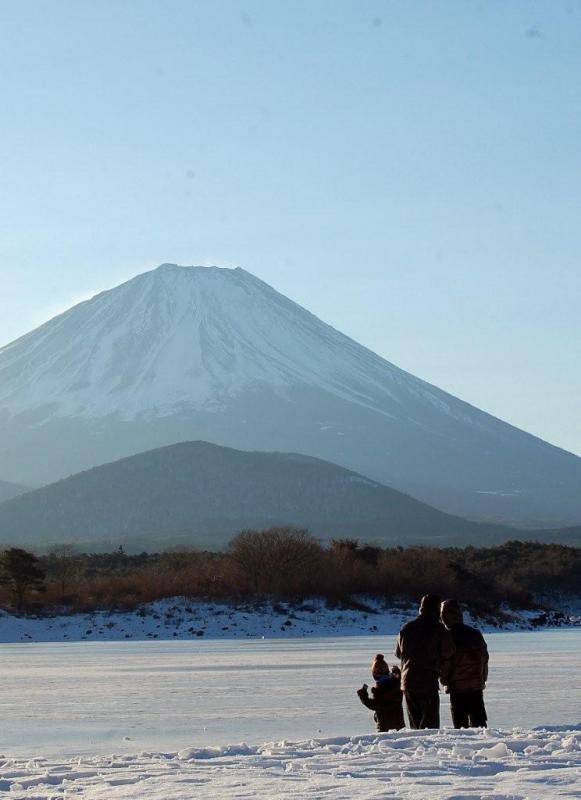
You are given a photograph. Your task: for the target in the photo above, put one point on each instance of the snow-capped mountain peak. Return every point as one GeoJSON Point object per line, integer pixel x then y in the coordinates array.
{"type": "Point", "coordinates": [179, 337]}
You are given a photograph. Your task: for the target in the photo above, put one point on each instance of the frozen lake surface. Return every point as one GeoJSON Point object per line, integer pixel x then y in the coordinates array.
{"type": "Point", "coordinates": [125, 697]}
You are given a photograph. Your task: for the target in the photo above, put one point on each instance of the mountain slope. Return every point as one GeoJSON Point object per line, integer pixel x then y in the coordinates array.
{"type": "Point", "coordinates": [202, 494]}
{"type": "Point", "coordinates": [9, 490]}
{"type": "Point", "coordinates": [203, 353]}
{"type": "Point", "coordinates": [196, 338]}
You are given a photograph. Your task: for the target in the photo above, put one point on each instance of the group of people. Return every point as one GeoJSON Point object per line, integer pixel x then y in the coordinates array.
{"type": "Point", "coordinates": [436, 647]}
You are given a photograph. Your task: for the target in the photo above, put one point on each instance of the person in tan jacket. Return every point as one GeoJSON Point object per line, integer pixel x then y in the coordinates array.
{"type": "Point", "coordinates": [425, 648]}
{"type": "Point", "coordinates": [467, 674]}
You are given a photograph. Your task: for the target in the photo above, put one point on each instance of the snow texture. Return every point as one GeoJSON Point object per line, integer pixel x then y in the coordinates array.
{"type": "Point", "coordinates": [439, 765]}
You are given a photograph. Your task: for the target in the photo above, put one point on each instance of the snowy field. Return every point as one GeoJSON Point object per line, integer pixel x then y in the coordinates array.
{"type": "Point", "coordinates": [175, 712]}
{"type": "Point", "coordinates": [491, 765]}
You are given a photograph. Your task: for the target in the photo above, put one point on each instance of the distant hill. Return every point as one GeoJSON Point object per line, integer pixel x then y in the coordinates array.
{"type": "Point", "coordinates": [9, 490]}
{"type": "Point", "coordinates": [568, 536]}
{"type": "Point", "coordinates": [201, 494]}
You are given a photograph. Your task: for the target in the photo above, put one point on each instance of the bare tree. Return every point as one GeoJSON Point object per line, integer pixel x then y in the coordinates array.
{"type": "Point", "coordinates": [278, 561]}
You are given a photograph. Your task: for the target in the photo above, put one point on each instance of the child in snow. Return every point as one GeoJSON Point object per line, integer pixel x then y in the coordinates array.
{"type": "Point", "coordinates": [386, 699]}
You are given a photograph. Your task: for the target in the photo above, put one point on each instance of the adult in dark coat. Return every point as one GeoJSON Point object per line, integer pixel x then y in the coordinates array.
{"type": "Point", "coordinates": [425, 647]}
{"type": "Point", "coordinates": [468, 672]}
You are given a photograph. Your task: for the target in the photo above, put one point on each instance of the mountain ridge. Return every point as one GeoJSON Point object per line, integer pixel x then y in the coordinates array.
{"type": "Point", "coordinates": [9, 490]}
{"type": "Point", "coordinates": [200, 494]}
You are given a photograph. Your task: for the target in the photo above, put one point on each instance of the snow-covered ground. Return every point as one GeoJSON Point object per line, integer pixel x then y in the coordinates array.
{"type": "Point", "coordinates": [170, 712]}
{"type": "Point", "coordinates": [177, 618]}
{"type": "Point", "coordinates": [88, 698]}
{"type": "Point", "coordinates": [491, 765]}
{"type": "Point", "coordinates": [136, 718]}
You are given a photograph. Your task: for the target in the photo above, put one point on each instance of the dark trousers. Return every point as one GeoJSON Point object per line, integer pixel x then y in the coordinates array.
{"type": "Point", "coordinates": [468, 709]}
{"type": "Point", "coordinates": [423, 709]}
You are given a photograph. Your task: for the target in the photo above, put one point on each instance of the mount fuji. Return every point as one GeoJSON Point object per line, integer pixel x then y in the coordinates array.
{"type": "Point", "coordinates": [185, 353]}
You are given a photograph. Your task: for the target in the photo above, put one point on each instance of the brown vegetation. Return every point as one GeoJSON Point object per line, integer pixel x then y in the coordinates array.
{"type": "Point", "coordinates": [285, 563]}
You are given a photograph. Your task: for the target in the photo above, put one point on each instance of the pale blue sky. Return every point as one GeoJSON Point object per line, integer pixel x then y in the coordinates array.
{"type": "Point", "coordinates": [409, 171]}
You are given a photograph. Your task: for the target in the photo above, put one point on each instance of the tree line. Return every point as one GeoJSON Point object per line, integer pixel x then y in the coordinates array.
{"type": "Point", "coordinates": [289, 564]}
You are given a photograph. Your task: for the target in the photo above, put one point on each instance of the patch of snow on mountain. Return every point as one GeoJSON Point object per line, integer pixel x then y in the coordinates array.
{"type": "Point", "coordinates": [179, 338]}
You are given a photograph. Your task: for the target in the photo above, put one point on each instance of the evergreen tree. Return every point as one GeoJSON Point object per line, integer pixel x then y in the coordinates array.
{"type": "Point", "coordinates": [22, 573]}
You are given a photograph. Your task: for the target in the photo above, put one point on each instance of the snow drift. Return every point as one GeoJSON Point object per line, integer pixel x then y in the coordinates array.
{"type": "Point", "coordinates": [440, 765]}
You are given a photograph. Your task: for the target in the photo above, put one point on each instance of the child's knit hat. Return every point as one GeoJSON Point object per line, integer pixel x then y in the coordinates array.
{"type": "Point", "coordinates": [379, 667]}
